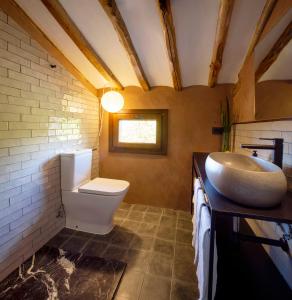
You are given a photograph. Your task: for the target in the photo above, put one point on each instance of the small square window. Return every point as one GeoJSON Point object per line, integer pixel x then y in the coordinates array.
{"type": "Point", "coordinates": [138, 131]}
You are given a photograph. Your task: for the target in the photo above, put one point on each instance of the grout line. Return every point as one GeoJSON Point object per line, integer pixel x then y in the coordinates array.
{"type": "Point", "coordinates": [66, 240]}
{"type": "Point", "coordinates": [85, 244]}
{"type": "Point", "coordinates": [172, 269]}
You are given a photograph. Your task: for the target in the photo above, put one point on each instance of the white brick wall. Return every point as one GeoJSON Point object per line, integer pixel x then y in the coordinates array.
{"type": "Point", "coordinates": [42, 112]}
{"type": "Point", "coordinates": [250, 134]}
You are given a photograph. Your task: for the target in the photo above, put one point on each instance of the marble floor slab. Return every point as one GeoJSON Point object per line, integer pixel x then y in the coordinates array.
{"type": "Point", "coordinates": [53, 274]}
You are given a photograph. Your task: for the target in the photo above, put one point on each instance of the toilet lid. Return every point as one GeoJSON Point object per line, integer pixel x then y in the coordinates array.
{"type": "Point", "coordinates": [104, 186]}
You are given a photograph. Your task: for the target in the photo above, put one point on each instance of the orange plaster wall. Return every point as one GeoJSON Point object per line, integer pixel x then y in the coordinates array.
{"type": "Point", "coordinates": [273, 99]}
{"type": "Point", "coordinates": [165, 181]}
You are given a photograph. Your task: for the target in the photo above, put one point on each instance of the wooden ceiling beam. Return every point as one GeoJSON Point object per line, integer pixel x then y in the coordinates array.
{"type": "Point", "coordinates": [64, 20]}
{"type": "Point", "coordinates": [274, 52]}
{"type": "Point", "coordinates": [261, 24]}
{"type": "Point", "coordinates": [170, 40]}
{"type": "Point", "coordinates": [111, 9]}
{"type": "Point", "coordinates": [11, 8]}
{"type": "Point", "coordinates": [260, 27]}
{"type": "Point", "coordinates": [223, 22]}
{"type": "Point", "coordinates": [280, 10]}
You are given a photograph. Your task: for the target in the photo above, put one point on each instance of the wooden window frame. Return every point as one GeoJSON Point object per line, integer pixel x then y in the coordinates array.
{"type": "Point", "coordinates": [160, 115]}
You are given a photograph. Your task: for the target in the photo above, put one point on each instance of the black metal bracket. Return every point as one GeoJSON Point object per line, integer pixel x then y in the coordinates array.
{"type": "Point", "coordinates": [217, 130]}
{"type": "Point", "coordinates": [261, 240]}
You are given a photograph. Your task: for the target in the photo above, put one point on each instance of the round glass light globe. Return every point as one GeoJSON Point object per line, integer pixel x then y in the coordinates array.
{"type": "Point", "coordinates": [112, 101]}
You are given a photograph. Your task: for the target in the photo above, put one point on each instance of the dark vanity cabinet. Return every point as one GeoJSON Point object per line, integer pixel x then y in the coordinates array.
{"type": "Point", "coordinates": [244, 269]}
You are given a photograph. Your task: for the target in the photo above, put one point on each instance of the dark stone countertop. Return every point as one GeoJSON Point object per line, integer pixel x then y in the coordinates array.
{"type": "Point", "coordinates": [222, 205]}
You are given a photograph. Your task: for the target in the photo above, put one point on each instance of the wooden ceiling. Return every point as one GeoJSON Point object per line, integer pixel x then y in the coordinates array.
{"type": "Point", "coordinates": [148, 43]}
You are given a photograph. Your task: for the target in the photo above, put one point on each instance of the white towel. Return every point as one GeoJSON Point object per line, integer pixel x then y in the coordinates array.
{"type": "Point", "coordinates": [203, 255]}
{"type": "Point", "coordinates": [199, 205]}
{"type": "Point", "coordinates": [197, 185]}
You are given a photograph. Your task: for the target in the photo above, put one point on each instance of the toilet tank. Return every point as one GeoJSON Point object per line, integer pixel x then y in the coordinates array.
{"type": "Point", "coordinates": [75, 168]}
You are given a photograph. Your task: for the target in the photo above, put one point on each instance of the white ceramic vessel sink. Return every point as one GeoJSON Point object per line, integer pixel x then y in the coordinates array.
{"type": "Point", "coordinates": [245, 179]}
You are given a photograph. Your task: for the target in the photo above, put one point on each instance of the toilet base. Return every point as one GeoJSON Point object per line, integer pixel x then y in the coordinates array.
{"type": "Point", "coordinates": [90, 228]}
{"type": "Point", "coordinates": [90, 212]}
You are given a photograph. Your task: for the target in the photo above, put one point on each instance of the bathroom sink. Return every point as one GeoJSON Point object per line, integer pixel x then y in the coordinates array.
{"type": "Point", "coordinates": [245, 179]}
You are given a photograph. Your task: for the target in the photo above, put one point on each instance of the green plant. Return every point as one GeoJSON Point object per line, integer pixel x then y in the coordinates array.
{"type": "Point", "coordinates": [225, 122]}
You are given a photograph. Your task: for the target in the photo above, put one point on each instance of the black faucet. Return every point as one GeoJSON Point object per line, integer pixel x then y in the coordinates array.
{"type": "Point", "coordinates": [277, 147]}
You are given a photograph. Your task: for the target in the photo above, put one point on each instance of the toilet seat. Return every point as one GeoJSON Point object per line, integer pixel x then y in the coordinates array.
{"type": "Point", "coordinates": [104, 186]}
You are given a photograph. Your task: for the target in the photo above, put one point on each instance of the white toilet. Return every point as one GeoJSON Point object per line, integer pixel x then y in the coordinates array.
{"type": "Point", "coordinates": [89, 204]}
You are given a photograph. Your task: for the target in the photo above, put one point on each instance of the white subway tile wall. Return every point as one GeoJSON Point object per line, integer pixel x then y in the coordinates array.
{"type": "Point", "coordinates": [43, 111]}
{"type": "Point", "coordinates": [251, 132]}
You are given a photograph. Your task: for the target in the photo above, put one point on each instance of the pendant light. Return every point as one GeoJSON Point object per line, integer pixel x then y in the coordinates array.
{"type": "Point", "coordinates": [112, 101]}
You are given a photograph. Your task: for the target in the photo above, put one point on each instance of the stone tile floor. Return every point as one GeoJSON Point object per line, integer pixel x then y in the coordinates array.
{"type": "Point", "coordinates": [156, 245]}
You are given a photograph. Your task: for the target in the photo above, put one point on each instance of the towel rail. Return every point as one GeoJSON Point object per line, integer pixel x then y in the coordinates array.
{"type": "Point", "coordinates": [194, 176]}
{"type": "Point", "coordinates": [205, 198]}
{"type": "Point", "coordinates": [205, 195]}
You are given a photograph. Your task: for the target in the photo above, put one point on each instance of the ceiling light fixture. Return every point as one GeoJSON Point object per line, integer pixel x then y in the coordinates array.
{"type": "Point", "coordinates": [112, 101]}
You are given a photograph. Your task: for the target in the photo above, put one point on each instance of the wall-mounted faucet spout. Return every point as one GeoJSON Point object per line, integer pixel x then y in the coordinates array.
{"type": "Point", "coordinates": [277, 147]}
